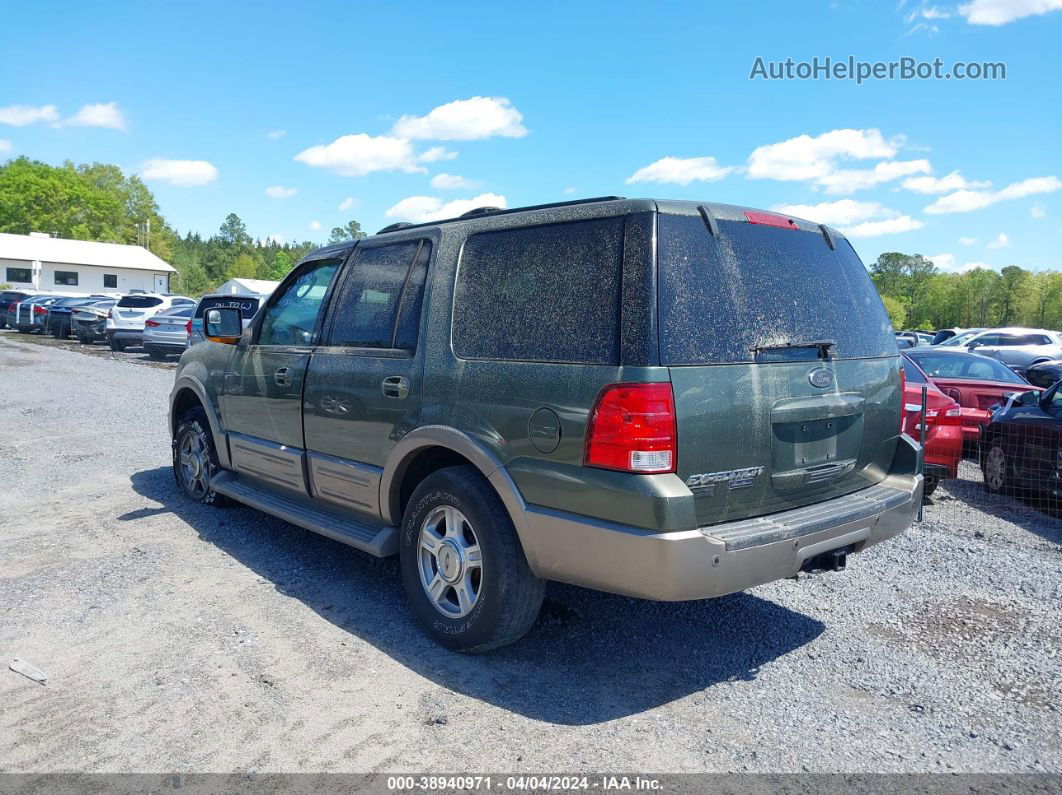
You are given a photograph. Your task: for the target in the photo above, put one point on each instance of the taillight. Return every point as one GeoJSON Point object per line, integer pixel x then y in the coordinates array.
{"type": "Point", "coordinates": [151, 323]}
{"type": "Point", "coordinates": [948, 415]}
{"type": "Point", "coordinates": [40, 310]}
{"type": "Point", "coordinates": [188, 328]}
{"type": "Point", "coordinates": [632, 429]}
{"type": "Point", "coordinates": [903, 396]}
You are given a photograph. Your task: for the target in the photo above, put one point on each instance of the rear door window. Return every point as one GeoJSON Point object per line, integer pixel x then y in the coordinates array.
{"type": "Point", "coordinates": [721, 297]}
{"type": "Point", "coordinates": [547, 293]}
{"type": "Point", "coordinates": [378, 302]}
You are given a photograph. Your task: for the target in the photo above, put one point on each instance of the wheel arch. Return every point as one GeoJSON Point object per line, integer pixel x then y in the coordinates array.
{"type": "Point", "coordinates": [188, 393]}
{"type": "Point", "coordinates": [432, 447]}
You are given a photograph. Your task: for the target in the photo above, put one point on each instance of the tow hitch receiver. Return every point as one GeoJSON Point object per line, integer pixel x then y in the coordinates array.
{"type": "Point", "coordinates": [834, 560]}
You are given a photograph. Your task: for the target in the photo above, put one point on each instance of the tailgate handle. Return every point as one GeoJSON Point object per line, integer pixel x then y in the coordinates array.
{"type": "Point", "coordinates": [283, 377]}
{"type": "Point", "coordinates": [823, 407]}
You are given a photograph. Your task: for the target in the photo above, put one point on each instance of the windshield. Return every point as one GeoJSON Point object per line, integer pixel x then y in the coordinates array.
{"type": "Point", "coordinates": [959, 339]}
{"type": "Point", "coordinates": [961, 366]}
{"type": "Point", "coordinates": [754, 286]}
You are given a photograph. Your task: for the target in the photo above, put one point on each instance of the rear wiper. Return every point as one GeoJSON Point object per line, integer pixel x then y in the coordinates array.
{"type": "Point", "coordinates": [823, 346]}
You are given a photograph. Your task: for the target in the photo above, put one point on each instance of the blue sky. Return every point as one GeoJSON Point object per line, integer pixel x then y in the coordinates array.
{"type": "Point", "coordinates": [380, 108]}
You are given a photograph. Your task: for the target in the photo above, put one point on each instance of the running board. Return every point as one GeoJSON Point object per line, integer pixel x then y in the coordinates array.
{"type": "Point", "coordinates": [378, 540]}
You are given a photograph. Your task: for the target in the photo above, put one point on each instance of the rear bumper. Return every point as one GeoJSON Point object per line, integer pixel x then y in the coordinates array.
{"type": "Point", "coordinates": [131, 336]}
{"type": "Point", "coordinates": [944, 451]}
{"type": "Point", "coordinates": [720, 559]}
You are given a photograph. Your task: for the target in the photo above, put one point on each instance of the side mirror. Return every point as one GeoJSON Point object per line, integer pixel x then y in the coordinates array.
{"type": "Point", "coordinates": [971, 345]}
{"type": "Point", "coordinates": [1031, 398]}
{"type": "Point", "coordinates": [223, 324]}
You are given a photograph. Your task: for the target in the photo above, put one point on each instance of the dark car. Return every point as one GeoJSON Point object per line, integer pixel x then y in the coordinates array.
{"type": "Point", "coordinates": [31, 313]}
{"type": "Point", "coordinates": [1021, 448]}
{"type": "Point", "coordinates": [58, 321]}
{"type": "Point", "coordinates": [669, 400]}
{"type": "Point", "coordinates": [1044, 374]}
{"type": "Point", "coordinates": [7, 299]}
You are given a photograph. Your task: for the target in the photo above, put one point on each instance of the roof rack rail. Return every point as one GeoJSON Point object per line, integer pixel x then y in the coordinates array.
{"type": "Point", "coordinates": [395, 227]}
{"type": "Point", "coordinates": [478, 211]}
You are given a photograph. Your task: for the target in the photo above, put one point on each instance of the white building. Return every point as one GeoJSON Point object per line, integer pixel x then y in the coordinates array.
{"type": "Point", "coordinates": [241, 286]}
{"type": "Point", "coordinates": [44, 264]}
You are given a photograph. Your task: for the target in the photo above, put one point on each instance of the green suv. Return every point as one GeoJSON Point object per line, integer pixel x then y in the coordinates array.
{"type": "Point", "coordinates": [669, 400]}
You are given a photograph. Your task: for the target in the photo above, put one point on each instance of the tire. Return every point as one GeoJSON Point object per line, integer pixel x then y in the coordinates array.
{"type": "Point", "coordinates": [996, 468]}
{"type": "Point", "coordinates": [457, 508]}
{"type": "Point", "coordinates": [116, 345]}
{"type": "Point", "coordinates": [930, 485]}
{"type": "Point", "coordinates": [83, 339]}
{"type": "Point", "coordinates": [24, 329]}
{"type": "Point", "coordinates": [193, 438]}
{"type": "Point", "coordinates": [155, 354]}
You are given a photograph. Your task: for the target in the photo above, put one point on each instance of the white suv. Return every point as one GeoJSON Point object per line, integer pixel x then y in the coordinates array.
{"type": "Point", "coordinates": [125, 322]}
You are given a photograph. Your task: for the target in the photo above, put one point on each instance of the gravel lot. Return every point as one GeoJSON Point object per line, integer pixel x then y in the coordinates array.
{"type": "Point", "coordinates": [178, 637]}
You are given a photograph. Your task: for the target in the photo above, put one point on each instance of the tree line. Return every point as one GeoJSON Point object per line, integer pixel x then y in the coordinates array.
{"type": "Point", "coordinates": [918, 295]}
{"type": "Point", "coordinates": [99, 202]}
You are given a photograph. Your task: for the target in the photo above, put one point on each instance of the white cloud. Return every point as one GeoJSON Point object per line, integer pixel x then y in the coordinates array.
{"type": "Point", "coordinates": [681, 171]}
{"type": "Point", "coordinates": [963, 201]}
{"type": "Point", "coordinates": [347, 203]}
{"type": "Point", "coordinates": [435, 154]}
{"type": "Point", "coordinates": [947, 263]}
{"type": "Point", "coordinates": [470, 119]}
{"type": "Point", "coordinates": [182, 173]}
{"type": "Point", "coordinates": [102, 114]}
{"type": "Point", "coordinates": [949, 182]}
{"type": "Point", "coordinates": [999, 241]}
{"type": "Point", "coordinates": [854, 218]}
{"type": "Point", "coordinates": [5, 145]}
{"type": "Point", "coordinates": [817, 160]}
{"type": "Point", "coordinates": [21, 115]}
{"type": "Point", "coordinates": [890, 226]}
{"type": "Point", "coordinates": [839, 213]}
{"type": "Point", "coordinates": [430, 208]}
{"type": "Point", "coordinates": [446, 181]}
{"type": "Point", "coordinates": [280, 192]}
{"type": "Point", "coordinates": [967, 241]}
{"type": "Point", "coordinates": [315, 225]}
{"type": "Point", "coordinates": [1038, 211]}
{"type": "Point", "coordinates": [569, 191]}
{"type": "Point", "coordinates": [361, 154]}
{"type": "Point", "coordinates": [1000, 12]}
{"type": "Point", "coordinates": [272, 135]}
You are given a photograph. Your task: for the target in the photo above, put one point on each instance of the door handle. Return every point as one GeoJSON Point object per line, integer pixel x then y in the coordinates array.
{"type": "Point", "coordinates": [282, 377]}
{"type": "Point", "coordinates": [395, 386]}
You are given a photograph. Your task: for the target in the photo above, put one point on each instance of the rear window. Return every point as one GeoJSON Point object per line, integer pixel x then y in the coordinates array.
{"type": "Point", "coordinates": [755, 285]}
{"type": "Point", "coordinates": [975, 368]}
{"type": "Point", "coordinates": [547, 293]}
{"type": "Point", "coordinates": [138, 302]}
{"type": "Point", "coordinates": [247, 305]}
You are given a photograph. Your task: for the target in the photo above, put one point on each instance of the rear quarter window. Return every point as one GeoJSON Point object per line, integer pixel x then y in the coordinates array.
{"type": "Point", "coordinates": [753, 285]}
{"type": "Point", "coordinates": [548, 293]}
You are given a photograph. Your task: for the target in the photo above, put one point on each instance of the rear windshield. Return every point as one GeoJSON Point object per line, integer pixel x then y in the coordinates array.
{"type": "Point", "coordinates": [961, 366]}
{"type": "Point", "coordinates": [139, 302]}
{"type": "Point", "coordinates": [246, 304]}
{"type": "Point", "coordinates": [755, 285]}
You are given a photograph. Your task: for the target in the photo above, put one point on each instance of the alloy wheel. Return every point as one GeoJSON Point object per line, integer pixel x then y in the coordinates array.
{"type": "Point", "coordinates": [450, 562]}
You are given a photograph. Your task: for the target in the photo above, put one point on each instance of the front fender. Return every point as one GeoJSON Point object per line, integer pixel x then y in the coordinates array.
{"type": "Point", "coordinates": [195, 377]}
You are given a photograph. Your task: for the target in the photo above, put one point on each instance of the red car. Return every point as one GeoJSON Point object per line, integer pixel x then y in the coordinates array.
{"type": "Point", "coordinates": [943, 449]}
{"type": "Point", "coordinates": [977, 382]}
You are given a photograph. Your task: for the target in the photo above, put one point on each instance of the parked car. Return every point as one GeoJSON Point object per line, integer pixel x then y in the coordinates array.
{"type": "Point", "coordinates": [976, 382]}
{"type": "Point", "coordinates": [7, 299]}
{"type": "Point", "coordinates": [11, 314]}
{"type": "Point", "coordinates": [1044, 374]}
{"type": "Point", "coordinates": [58, 320]}
{"type": "Point", "coordinates": [504, 423]}
{"type": "Point", "coordinates": [943, 441]}
{"type": "Point", "coordinates": [1021, 449]}
{"type": "Point", "coordinates": [916, 337]}
{"type": "Point", "coordinates": [90, 321]}
{"type": "Point", "coordinates": [125, 322]}
{"type": "Point", "coordinates": [945, 334]}
{"type": "Point", "coordinates": [247, 304]}
{"type": "Point", "coordinates": [31, 313]}
{"type": "Point", "coordinates": [166, 333]}
{"type": "Point", "coordinates": [1017, 347]}
{"type": "Point", "coordinates": [960, 338]}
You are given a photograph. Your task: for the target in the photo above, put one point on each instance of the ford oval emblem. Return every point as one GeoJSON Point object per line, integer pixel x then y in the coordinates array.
{"type": "Point", "coordinates": [821, 377]}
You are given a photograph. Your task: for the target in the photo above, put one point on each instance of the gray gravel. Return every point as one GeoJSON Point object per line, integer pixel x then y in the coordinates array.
{"type": "Point", "coordinates": [177, 637]}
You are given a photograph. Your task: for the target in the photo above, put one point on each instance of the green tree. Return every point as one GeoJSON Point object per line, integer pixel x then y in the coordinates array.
{"type": "Point", "coordinates": [351, 231]}
{"type": "Point", "coordinates": [897, 311]}
{"type": "Point", "coordinates": [244, 266]}
{"type": "Point", "coordinates": [234, 231]}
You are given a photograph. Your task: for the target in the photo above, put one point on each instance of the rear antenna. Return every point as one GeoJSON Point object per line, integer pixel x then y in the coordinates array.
{"type": "Point", "coordinates": [709, 220]}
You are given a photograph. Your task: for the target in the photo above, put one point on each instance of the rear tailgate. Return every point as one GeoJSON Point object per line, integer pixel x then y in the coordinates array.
{"type": "Point", "coordinates": [763, 428]}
